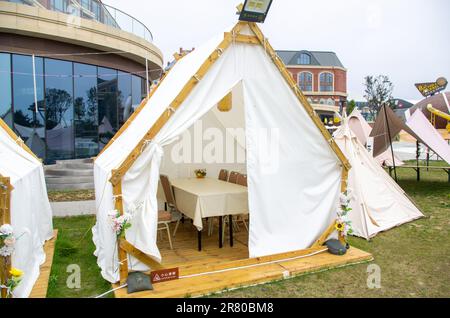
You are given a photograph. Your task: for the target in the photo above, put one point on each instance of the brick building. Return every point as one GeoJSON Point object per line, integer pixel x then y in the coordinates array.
{"type": "Point", "coordinates": [322, 78]}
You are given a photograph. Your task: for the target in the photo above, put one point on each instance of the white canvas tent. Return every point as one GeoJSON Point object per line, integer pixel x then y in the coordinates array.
{"type": "Point", "coordinates": [292, 201]}
{"type": "Point", "coordinates": [361, 128]}
{"type": "Point", "coordinates": [377, 203]}
{"type": "Point", "coordinates": [25, 206]}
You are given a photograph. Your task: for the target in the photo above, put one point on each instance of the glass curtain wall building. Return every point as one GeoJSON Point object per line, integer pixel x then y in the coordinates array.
{"type": "Point", "coordinates": [79, 106]}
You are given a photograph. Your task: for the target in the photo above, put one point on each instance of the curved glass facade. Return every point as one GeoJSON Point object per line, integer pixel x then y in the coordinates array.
{"type": "Point", "coordinates": [79, 106]}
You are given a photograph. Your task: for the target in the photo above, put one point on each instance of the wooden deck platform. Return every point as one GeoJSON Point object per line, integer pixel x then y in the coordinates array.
{"type": "Point", "coordinates": [41, 285]}
{"type": "Point", "coordinates": [215, 270]}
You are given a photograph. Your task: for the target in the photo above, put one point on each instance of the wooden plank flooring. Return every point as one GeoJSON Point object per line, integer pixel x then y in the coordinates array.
{"type": "Point", "coordinates": [41, 285]}
{"type": "Point", "coordinates": [230, 266]}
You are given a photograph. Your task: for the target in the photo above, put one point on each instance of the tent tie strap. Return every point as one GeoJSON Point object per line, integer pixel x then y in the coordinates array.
{"type": "Point", "coordinates": [145, 144]}
{"type": "Point", "coordinates": [170, 111]}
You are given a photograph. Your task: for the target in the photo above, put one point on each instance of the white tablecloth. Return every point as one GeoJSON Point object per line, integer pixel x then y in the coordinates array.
{"type": "Point", "coordinates": [202, 198]}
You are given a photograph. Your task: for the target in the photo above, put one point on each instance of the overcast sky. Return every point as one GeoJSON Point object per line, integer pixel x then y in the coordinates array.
{"type": "Point", "coordinates": [408, 40]}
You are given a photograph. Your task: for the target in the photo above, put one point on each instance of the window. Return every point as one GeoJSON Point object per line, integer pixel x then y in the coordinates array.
{"type": "Point", "coordinates": [29, 124]}
{"type": "Point", "coordinates": [125, 99]}
{"type": "Point", "coordinates": [59, 5]}
{"type": "Point", "coordinates": [79, 106]}
{"type": "Point", "coordinates": [304, 59]}
{"type": "Point", "coordinates": [305, 81]}
{"type": "Point", "coordinates": [5, 89]}
{"type": "Point", "coordinates": [137, 91]}
{"type": "Point", "coordinates": [59, 110]}
{"type": "Point", "coordinates": [326, 82]}
{"type": "Point", "coordinates": [85, 110]}
{"type": "Point", "coordinates": [107, 91]}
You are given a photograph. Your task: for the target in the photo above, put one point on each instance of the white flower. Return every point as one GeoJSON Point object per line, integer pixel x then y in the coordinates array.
{"type": "Point", "coordinates": [6, 229]}
{"type": "Point", "coordinates": [113, 213]}
{"type": "Point", "coordinates": [127, 217]}
{"type": "Point", "coordinates": [344, 200]}
{"type": "Point", "coordinates": [6, 251]}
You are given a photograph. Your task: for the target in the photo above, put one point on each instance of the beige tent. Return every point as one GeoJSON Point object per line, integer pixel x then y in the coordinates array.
{"type": "Point", "coordinates": [309, 174]}
{"type": "Point", "coordinates": [378, 203]}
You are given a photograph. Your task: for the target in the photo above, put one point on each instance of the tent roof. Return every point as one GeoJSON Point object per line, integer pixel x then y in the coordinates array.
{"type": "Point", "coordinates": [16, 158]}
{"type": "Point", "coordinates": [416, 126]}
{"type": "Point", "coordinates": [178, 84]}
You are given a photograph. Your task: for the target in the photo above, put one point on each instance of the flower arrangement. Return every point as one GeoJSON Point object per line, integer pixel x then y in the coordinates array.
{"type": "Point", "coordinates": [343, 225]}
{"type": "Point", "coordinates": [200, 173]}
{"type": "Point", "coordinates": [120, 222]}
{"type": "Point", "coordinates": [7, 240]}
{"type": "Point", "coordinates": [13, 281]}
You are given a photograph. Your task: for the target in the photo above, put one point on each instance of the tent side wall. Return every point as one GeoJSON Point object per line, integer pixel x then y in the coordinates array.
{"type": "Point", "coordinates": [5, 218]}
{"type": "Point", "coordinates": [31, 218]}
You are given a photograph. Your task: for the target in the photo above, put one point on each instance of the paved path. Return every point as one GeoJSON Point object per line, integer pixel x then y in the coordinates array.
{"type": "Point", "coordinates": [61, 209]}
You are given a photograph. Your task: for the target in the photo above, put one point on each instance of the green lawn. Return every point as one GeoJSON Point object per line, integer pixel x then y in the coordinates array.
{"type": "Point", "coordinates": [414, 258]}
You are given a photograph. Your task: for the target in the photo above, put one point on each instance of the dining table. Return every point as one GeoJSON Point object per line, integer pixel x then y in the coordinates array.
{"type": "Point", "coordinates": [200, 198]}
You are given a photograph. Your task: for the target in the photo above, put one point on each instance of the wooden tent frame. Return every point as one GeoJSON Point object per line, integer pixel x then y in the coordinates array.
{"type": "Point", "coordinates": [124, 247]}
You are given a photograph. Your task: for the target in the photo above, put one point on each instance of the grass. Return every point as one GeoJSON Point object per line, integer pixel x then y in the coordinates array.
{"type": "Point", "coordinates": [414, 258]}
{"type": "Point", "coordinates": [71, 195]}
{"type": "Point", "coordinates": [74, 246]}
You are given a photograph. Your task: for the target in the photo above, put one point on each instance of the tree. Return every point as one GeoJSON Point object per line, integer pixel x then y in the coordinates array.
{"type": "Point", "coordinates": [58, 102]}
{"type": "Point", "coordinates": [351, 106]}
{"type": "Point", "coordinates": [378, 91]}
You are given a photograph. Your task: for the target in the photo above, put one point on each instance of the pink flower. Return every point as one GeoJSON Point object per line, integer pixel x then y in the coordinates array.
{"type": "Point", "coordinates": [10, 241]}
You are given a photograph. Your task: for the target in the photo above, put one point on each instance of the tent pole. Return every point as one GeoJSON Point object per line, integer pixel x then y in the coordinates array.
{"type": "Point", "coordinates": [390, 143]}
{"type": "Point", "coordinates": [122, 254]}
{"type": "Point", "coordinates": [176, 103]}
{"type": "Point", "coordinates": [417, 159]}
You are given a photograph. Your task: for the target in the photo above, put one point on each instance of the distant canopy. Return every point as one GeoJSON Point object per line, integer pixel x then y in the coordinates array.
{"type": "Point", "coordinates": [417, 126]}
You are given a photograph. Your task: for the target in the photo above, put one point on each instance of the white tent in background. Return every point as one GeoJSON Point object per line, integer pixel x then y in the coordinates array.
{"type": "Point", "coordinates": [361, 128]}
{"type": "Point", "coordinates": [30, 212]}
{"type": "Point", "coordinates": [378, 203]}
{"type": "Point", "coordinates": [292, 198]}
{"type": "Point", "coordinates": [422, 127]}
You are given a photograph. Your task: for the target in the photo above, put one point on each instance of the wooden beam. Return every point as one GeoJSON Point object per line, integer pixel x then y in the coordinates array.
{"type": "Point", "coordinates": [298, 93]}
{"type": "Point", "coordinates": [176, 103]}
{"type": "Point", "coordinates": [141, 256]}
{"type": "Point", "coordinates": [141, 106]}
{"type": "Point", "coordinates": [203, 268]}
{"type": "Point", "coordinates": [17, 139]}
{"type": "Point", "coordinates": [123, 257]}
{"type": "Point", "coordinates": [242, 38]}
{"type": "Point", "coordinates": [324, 235]}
